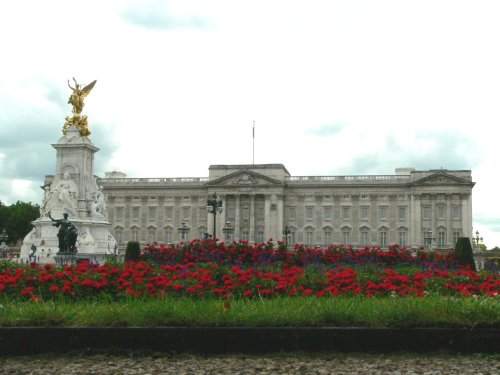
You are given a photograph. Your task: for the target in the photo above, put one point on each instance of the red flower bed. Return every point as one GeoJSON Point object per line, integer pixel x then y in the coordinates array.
{"type": "Point", "coordinates": [204, 270]}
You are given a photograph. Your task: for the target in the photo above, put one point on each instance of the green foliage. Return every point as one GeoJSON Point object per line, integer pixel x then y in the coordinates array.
{"type": "Point", "coordinates": [133, 251]}
{"type": "Point", "coordinates": [463, 252]}
{"type": "Point", "coordinates": [279, 312]}
{"type": "Point", "coordinates": [16, 219]}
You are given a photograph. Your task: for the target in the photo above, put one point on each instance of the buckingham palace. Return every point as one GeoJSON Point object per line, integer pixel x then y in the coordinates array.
{"type": "Point", "coordinates": [429, 208]}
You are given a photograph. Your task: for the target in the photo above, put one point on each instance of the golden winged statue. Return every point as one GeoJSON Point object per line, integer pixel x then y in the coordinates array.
{"type": "Point", "coordinates": [76, 99]}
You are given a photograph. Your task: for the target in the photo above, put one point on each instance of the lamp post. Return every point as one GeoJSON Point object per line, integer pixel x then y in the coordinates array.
{"type": "Point", "coordinates": [214, 205]}
{"type": "Point", "coordinates": [286, 233]}
{"type": "Point", "coordinates": [227, 230]}
{"type": "Point", "coordinates": [183, 230]}
{"type": "Point", "coordinates": [477, 239]}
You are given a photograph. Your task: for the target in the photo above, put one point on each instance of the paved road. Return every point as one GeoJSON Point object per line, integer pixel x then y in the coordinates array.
{"type": "Point", "coordinates": [305, 364]}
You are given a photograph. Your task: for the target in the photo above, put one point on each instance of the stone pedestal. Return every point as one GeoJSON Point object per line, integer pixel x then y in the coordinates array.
{"type": "Point", "coordinates": [72, 190]}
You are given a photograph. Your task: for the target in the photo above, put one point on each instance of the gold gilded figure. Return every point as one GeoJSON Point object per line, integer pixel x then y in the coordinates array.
{"type": "Point", "coordinates": [76, 99]}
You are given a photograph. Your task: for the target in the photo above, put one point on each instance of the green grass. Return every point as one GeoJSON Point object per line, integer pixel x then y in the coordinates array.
{"type": "Point", "coordinates": [280, 312]}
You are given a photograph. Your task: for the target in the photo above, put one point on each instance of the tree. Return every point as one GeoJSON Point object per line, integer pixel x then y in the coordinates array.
{"type": "Point", "coordinates": [133, 251]}
{"type": "Point", "coordinates": [16, 219]}
{"type": "Point", "coordinates": [463, 252]}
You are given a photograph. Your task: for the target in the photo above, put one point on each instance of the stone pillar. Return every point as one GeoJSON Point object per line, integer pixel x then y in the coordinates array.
{"type": "Point", "coordinates": [237, 223]}
{"type": "Point", "coordinates": [416, 220]}
{"type": "Point", "coordinates": [279, 216]}
{"type": "Point", "coordinates": [251, 209]}
{"type": "Point", "coordinates": [449, 226]}
{"type": "Point", "coordinates": [267, 216]}
{"type": "Point", "coordinates": [433, 220]}
{"type": "Point", "coordinates": [223, 215]}
{"type": "Point", "coordinates": [466, 215]}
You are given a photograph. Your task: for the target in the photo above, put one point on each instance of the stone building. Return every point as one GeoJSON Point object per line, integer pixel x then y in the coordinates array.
{"type": "Point", "coordinates": [410, 208]}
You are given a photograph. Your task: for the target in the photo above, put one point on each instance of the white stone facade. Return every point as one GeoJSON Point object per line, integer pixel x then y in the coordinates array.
{"type": "Point", "coordinates": [410, 208]}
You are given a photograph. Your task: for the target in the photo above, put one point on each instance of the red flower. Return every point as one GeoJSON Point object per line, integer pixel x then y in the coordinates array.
{"type": "Point", "coordinates": [54, 289]}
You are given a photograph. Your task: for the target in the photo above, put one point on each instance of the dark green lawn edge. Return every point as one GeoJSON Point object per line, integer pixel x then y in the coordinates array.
{"type": "Point", "coordinates": [405, 312]}
{"type": "Point", "coordinates": [216, 340]}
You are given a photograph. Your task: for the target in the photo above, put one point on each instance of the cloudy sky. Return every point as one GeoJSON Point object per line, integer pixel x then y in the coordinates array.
{"type": "Point", "coordinates": [334, 87]}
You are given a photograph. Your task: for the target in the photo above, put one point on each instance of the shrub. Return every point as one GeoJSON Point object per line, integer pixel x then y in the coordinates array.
{"type": "Point", "coordinates": [133, 251]}
{"type": "Point", "coordinates": [463, 252]}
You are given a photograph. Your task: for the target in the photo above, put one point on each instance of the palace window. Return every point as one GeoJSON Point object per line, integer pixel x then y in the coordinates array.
{"type": "Point", "coordinates": [364, 213]}
{"type": "Point", "coordinates": [383, 238]}
{"type": "Point", "coordinates": [456, 212]}
{"type": "Point", "coordinates": [346, 213]}
{"type": "Point", "coordinates": [291, 213]}
{"type": "Point", "coordinates": [346, 237]}
{"type": "Point", "coordinates": [167, 235]}
{"type": "Point", "coordinates": [309, 237]}
{"type": "Point", "coordinates": [152, 213]}
{"type": "Point", "coordinates": [246, 213]}
{"type": "Point", "coordinates": [135, 213]}
{"type": "Point", "coordinates": [364, 238]}
{"type": "Point", "coordinates": [441, 212]}
{"type": "Point", "coordinates": [260, 236]}
{"type": "Point", "coordinates": [119, 235]}
{"type": "Point", "coordinates": [169, 213]}
{"type": "Point", "coordinates": [441, 238]}
{"type": "Point", "coordinates": [309, 212]}
{"type": "Point", "coordinates": [403, 238]}
{"type": "Point", "coordinates": [402, 213]}
{"type": "Point", "coordinates": [382, 213]}
{"type": "Point", "coordinates": [260, 213]}
{"type": "Point", "coordinates": [151, 235]}
{"type": "Point", "coordinates": [426, 213]}
{"type": "Point", "coordinates": [327, 211]}
{"type": "Point", "coordinates": [327, 237]}
{"type": "Point", "coordinates": [134, 234]}
{"type": "Point", "coordinates": [456, 236]}
{"type": "Point", "coordinates": [186, 213]}
{"type": "Point", "coordinates": [119, 213]}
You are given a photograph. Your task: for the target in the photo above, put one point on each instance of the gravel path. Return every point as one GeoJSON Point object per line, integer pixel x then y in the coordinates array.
{"type": "Point", "coordinates": [243, 364]}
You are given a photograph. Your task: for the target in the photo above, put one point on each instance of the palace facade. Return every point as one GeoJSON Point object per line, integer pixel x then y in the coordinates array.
{"type": "Point", "coordinates": [262, 201]}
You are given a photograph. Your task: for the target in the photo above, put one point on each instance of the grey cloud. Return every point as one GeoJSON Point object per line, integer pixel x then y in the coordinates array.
{"type": "Point", "coordinates": [26, 136]}
{"type": "Point", "coordinates": [326, 130]}
{"type": "Point", "coordinates": [156, 15]}
{"type": "Point", "coordinates": [445, 149]}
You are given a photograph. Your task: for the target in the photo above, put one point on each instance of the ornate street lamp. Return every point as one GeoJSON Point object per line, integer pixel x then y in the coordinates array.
{"type": "Point", "coordinates": [477, 239]}
{"type": "Point", "coordinates": [227, 230]}
{"type": "Point", "coordinates": [183, 230]}
{"type": "Point", "coordinates": [286, 233]}
{"type": "Point", "coordinates": [214, 205]}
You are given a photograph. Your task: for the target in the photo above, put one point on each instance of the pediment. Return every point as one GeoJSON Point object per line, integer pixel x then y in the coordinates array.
{"type": "Point", "coordinates": [244, 178]}
{"type": "Point", "coordinates": [442, 178]}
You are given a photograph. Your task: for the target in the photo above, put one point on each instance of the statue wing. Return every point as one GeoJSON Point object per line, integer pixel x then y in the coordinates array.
{"type": "Point", "coordinates": [89, 87]}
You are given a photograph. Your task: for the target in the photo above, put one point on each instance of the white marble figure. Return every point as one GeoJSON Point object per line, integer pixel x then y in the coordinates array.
{"type": "Point", "coordinates": [45, 207]}
{"type": "Point", "coordinates": [85, 238]}
{"type": "Point", "coordinates": [66, 194]}
{"type": "Point", "coordinates": [94, 209]}
{"type": "Point", "coordinates": [101, 203]}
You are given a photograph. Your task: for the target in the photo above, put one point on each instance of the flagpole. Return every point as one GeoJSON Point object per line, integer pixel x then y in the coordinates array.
{"type": "Point", "coordinates": [253, 143]}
